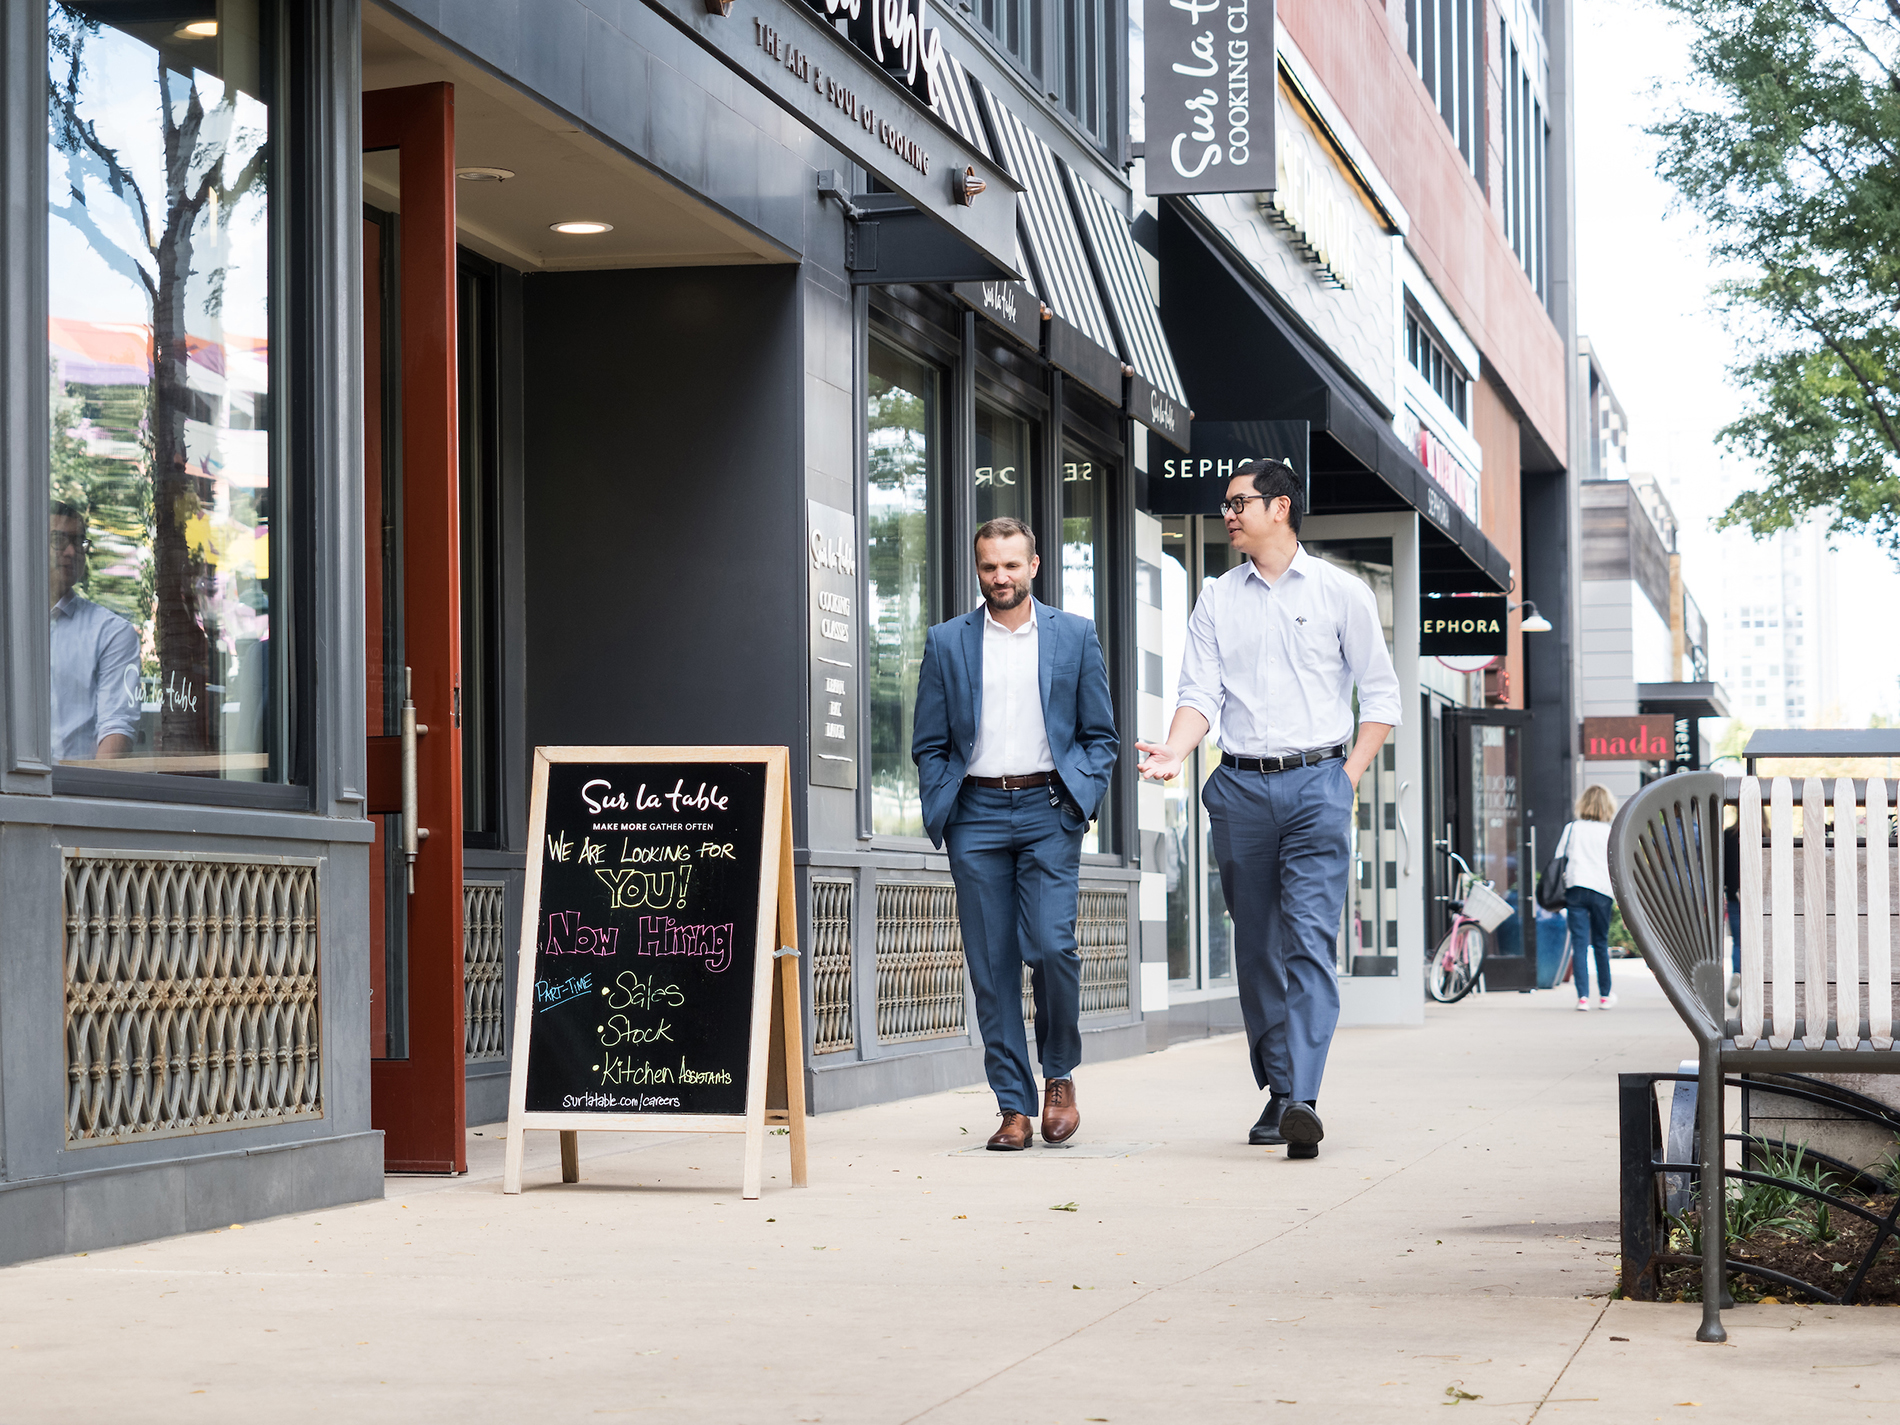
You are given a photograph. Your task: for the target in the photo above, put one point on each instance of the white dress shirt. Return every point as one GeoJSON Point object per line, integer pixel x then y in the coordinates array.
{"type": "Point", "coordinates": [1011, 739]}
{"type": "Point", "coordinates": [1272, 667]}
{"type": "Point", "coordinates": [95, 677]}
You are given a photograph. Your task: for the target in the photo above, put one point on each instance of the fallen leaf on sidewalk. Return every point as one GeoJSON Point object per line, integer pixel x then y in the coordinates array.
{"type": "Point", "coordinates": [1454, 1395]}
{"type": "Point", "coordinates": [1690, 1402]}
{"type": "Point", "coordinates": [1064, 1207]}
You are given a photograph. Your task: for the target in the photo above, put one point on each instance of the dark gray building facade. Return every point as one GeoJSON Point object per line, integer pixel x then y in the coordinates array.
{"type": "Point", "coordinates": [533, 374]}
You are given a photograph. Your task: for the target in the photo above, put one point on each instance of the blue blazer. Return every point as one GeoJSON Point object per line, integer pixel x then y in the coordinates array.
{"type": "Point", "coordinates": [1077, 713]}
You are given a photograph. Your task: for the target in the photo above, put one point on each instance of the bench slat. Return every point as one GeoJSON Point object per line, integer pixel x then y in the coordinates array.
{"type": "Point", "coordinates": [1814, 904]}
{"type": "Point", "coordinates": [1879, 925]}
{"type": "Point", "coordinates": [1781, 870]}
{"type": "Point", "coordinates": [1846, 917]}
{"type": "Point", "coordinates": [1751, 908]}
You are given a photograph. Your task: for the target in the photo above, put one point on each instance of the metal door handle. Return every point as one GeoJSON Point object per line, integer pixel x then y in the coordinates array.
{"type": "Point", "coordinates": [1405, 832]}
{"type": "Point", "coordinates": [412, 835]}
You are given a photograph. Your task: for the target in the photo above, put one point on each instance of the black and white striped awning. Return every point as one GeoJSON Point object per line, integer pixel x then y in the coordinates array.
{"type": "Point", "coordinates": [1156, 397]}
{"type": "Point", "coordinates": [1081, 339]}
{"type": "Point", "coordinates": [1014, 306]}
{"type": "Point", "coordinates": [956, 104]}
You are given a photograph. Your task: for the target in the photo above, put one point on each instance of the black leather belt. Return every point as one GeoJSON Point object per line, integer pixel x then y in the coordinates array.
{"type": "Point", "coordinates": [1011, 784]}
{"type": "Point", "coordinates": [1281, 764]}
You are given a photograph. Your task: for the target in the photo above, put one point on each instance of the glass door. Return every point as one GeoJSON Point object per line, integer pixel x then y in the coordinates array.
{"type": "Point", "coordinates": [413, 632]}
{"type": "Point", "coordinates": [1487, 827]}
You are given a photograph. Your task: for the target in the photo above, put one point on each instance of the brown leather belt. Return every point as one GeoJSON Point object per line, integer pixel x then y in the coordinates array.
{"type": "Point", "coordinates": [1011, 784]}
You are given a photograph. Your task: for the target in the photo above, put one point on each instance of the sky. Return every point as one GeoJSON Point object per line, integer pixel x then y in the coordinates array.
{"type": "Point", "coordinates": [1643, 278]}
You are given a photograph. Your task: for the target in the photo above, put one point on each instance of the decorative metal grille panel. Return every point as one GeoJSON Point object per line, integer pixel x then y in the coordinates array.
{"type": "Point", "coordinates": [191, 995]}
{"type": "Point", "coordinates": [1101, 935]}
{"type": "Point", "coordinates": [919, 962]}
{"type": "Point", "coordinates": [484, 956]}
{"type": "Point", "coordinates": [831, 965]}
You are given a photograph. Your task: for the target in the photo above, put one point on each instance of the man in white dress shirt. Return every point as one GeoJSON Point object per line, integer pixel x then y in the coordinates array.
{"type": "Point", "coordinates": [1274, 650]}
{"type": "Point", "coordinates": [1015, 745]}
{"type": "Point", "coordinates": [95, 655]}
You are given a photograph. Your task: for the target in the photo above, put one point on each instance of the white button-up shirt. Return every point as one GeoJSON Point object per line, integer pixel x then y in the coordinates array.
{"type": "Point", "coordinates": [1011, 739]}
{"type": "Point", "coordinates": [95, 677]}
{"type": "Point", "coordinates": [1272, 667]}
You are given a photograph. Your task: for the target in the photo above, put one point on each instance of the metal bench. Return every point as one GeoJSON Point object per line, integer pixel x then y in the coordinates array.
{"type": "Point", "coordinates": [1817, 971]}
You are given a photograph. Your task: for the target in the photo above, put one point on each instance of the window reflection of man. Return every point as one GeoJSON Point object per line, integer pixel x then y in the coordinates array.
{"type": "Point", "coordinates": [95, 655]}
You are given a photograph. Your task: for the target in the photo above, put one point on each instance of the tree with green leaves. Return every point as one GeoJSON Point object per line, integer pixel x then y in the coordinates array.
{"type": "Point", "coordinates": [1785, 139]}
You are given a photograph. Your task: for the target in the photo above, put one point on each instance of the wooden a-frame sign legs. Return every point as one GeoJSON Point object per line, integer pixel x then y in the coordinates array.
{"type": "Point", "coordinates": [775, 1081]}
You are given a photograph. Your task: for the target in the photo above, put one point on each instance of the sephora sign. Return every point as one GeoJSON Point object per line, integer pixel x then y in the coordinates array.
{"type": "Point", "coordinates": [1211, 82]}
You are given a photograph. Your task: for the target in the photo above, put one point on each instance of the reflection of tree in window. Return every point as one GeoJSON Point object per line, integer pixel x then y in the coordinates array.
{"type": "Point", "coordinates": [899, 419]}
{"type": "Point", "coordinates": [159, 288]}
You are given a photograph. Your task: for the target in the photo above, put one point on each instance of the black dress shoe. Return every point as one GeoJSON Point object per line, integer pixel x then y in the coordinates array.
{"type": "Point", "coordinates": [1301, 1127]}
{"type": "Point", "coordinates": [1267, 1130]}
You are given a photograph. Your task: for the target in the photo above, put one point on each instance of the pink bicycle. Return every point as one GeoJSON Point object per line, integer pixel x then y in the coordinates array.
{"type": "Point", "coordinates": [1452, 972]}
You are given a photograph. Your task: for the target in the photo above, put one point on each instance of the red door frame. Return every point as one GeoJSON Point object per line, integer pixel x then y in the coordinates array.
{"type": "Point", "coordinates": [420, 1102]}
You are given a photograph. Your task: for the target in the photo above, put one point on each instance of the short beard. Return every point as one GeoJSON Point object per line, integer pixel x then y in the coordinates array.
{"type": "Point", "coordinates": [1022, 592]}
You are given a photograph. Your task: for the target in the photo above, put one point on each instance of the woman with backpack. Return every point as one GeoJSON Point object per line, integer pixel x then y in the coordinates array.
{"type": "Point", "coordinates": [1588, 896]}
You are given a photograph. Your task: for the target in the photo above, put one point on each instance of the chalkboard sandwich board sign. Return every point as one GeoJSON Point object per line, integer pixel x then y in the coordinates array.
{"type": "Point", "coordinates": [659, 979]}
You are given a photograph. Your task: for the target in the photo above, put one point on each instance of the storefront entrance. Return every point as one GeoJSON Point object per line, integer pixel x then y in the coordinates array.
{"type": "Point", "coordinates": [412, 637]}
{"type": "Point", "coordinates": [1484, 822]}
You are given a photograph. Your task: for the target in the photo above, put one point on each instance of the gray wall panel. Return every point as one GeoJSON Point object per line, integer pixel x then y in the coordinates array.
{"type": "Point", "coordinates": [665, 508]}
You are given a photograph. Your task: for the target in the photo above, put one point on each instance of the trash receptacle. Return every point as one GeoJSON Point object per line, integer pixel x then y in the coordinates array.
{"type": "Point", "coordinates": [1553, 947]}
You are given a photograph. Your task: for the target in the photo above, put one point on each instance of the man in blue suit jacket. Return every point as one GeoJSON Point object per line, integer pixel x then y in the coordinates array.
{"type": "Point", "coordinates": [1015, 744]}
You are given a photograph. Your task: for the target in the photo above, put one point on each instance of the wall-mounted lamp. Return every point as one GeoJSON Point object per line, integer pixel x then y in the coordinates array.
{"type": "Point", "coordinates": [965, 186]}
{"type": "Point", "coordinates": [1534, 622]}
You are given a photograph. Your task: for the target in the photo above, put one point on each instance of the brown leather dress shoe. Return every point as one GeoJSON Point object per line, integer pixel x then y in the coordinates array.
{"type": "Point", "coordinates": [1060, 1117]}
{"type": "Point", "coordinates": [1016, 1134]}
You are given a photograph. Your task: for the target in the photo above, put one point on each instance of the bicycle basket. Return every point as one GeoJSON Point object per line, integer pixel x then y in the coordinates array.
{"type": "Point", "coordinates": [1486, 906]}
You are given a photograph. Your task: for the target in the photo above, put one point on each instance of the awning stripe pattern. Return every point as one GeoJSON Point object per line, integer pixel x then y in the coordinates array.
{"type": "Point", "coordinates": [1112, 242]}
{"type": "Point", "coordinates": [956, 105]}
{"type": "Point", "coordinates": [1048, 224]}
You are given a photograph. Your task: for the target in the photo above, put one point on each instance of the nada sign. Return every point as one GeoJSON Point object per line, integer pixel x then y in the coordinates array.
{"type": "Point", "coordinates": [1651, 738]}
{"type": "Point", "coordinates": [659, 892]}
{"type": "Point", "coordinates": [1211, 82]}
{"type": "Point", "coordinates": [1463, 626]}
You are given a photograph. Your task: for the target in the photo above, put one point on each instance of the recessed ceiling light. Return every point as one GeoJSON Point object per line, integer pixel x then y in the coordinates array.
{"type": "Point", "coordinates": [485, 175]}
{"type": "Point", "coordinates": [197, 30]}
{"type": "Point", "coordinates": [581, 229]}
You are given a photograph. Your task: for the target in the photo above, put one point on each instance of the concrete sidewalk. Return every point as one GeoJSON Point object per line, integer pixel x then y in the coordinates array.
{"type": "Point", "coordinates": [1453, 1245]}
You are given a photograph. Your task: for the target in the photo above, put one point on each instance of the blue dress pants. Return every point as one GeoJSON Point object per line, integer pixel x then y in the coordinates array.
{"type": "Point", "coordinates": [1282, 841]}
{"type": "Point", "coordinates": [1017, 861]}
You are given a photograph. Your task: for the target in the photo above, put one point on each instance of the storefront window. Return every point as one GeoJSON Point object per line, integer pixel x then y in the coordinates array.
{"type": "Point", "coordinates": [901, 425]}
{"type": "Point", "coordinates": [1086, 586]}
{"type": "Point", "coordinates": [163, 581]}
{"type": "Point", "coordinates": [1200, 933]}
{"type": "Point", "coordinates": [1004, 465]}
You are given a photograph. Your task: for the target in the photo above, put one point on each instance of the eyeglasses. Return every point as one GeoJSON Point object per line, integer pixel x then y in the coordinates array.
{"type": "Point", "coordinates": [64, 539]}
{"type": "Point", "coordinates": [1237, 505]}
